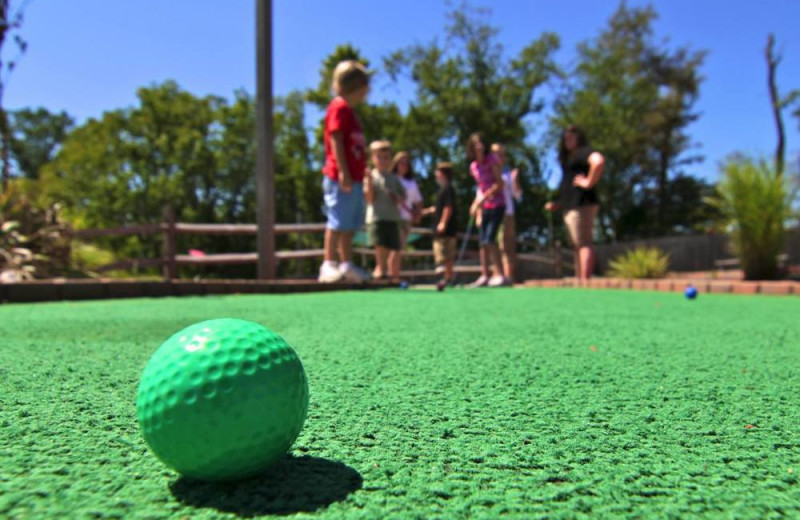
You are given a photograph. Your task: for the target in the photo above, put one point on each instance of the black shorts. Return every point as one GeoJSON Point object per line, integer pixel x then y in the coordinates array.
{"type": "Point", "coordinates": [384, 233]}
{"type": "Point", "coordinates": [491, 220]}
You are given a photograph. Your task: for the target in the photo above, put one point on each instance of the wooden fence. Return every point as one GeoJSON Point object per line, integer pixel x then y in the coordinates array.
{"type": "Point", "coordinates": [171, 259]}
{"type": "Point", "coordinates": [687, 253]}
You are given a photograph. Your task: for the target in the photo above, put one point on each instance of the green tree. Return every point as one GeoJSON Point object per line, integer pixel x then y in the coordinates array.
{"type": "Point", "coordinates": [36, 135]}
{"type": "Point", "coordinates": [124, 167]}
{"type": "Point", "coordinates": [465, 84]}
{"type": "Point", "coordinates": [635, 99]}
{"type": "Point", "coordinates": [193, 153]}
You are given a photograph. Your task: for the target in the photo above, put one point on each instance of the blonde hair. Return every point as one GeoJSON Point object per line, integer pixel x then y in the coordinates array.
{"type": "Point", "coordinates": [348, 77]}
{"type": "Point", "coordinates": [380, 146]}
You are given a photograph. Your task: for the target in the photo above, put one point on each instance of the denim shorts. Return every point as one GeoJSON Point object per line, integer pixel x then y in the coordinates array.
{"type": "Point", "coordinates": [491, 221]}
{"type": "Point", "coordinates": [345, 211]}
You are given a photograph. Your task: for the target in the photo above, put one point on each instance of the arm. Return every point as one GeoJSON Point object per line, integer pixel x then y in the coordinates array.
{"type": "Point", "coordinates": [597, 164]}
{"type": "Point", "coordinates": [369, 188]}
{"type": "Point", "coordinates": [417, 212]}
{"type": "Point", "coordinates": [428, 211]}
{"type": "Point", "coordinates": [398, 194]}
{"type": "Point", "coordinates": [345, 181]}
{"type": "Point", "coordinates": [498, 185]}
{"type": "Point", "coordinates": [476, 203]}
{"type": "Point", "coordinates": [447, 213]}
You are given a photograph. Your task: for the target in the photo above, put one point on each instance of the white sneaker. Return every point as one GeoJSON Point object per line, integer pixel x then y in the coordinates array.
{"type": "Point", "coordinates": [353, 273]}
{"type": "Point", "coordinates": [329, 273]}
{"type": "Point", "coordinates": [497, 281]}
{"type": "Point", "coordinates": [480, 282]}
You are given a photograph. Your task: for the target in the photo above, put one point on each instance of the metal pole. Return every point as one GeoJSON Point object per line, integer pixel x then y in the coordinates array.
{"type": "Point", "coordinates": [265, 175]}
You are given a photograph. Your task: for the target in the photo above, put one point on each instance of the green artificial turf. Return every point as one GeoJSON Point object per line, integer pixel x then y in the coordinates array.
{"type": "Point", "coordinates": [468, 404]}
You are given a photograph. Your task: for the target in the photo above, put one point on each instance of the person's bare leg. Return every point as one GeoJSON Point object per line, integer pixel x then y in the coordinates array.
{"type": "Point", "coordinates": [331, 244]}
{"type": "Point", "coordinates": [509, 248]}
{"type": "Point", "coordinates": [485, 270]}
{"type": "Point", "coordinates": [346, 246]}
{"type": "Point", "coordinates": [381, 255]}
{"type": "Point", "coordinates": [396, 261]}
{"type": "Point", "coordinates": [449, 271]}
{"type": "Point", "coordinates": [396, 257]}
{"type": "Point", "coordinates": [493, 252]}
{"type": "Point", "coordinates": [578, 269]}
{"type": "Point", "coordinates": [393, 266]}
{"type": "Point", "coordinates": [586, 255]}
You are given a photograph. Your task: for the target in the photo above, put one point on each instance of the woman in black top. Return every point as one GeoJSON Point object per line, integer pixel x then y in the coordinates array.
{"type": "Point", "coordinates": [577, 197]}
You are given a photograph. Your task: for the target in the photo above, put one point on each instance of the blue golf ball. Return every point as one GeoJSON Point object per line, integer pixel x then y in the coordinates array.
{"type": "Point", "coordinates": [691, 292]}
{"type": "Point", "coordinates": [404, 285]}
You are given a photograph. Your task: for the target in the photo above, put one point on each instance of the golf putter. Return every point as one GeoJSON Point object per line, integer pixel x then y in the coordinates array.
{"type": "Point", "coordinates": [465, 241]}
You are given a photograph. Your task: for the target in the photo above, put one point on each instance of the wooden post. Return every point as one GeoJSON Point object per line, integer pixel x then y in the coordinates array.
{"type": "Point", "coordinates": [265, 175]}
{"type": "Point", "coordinates": [169, 267]}
{"type": "Point", "coordinates": [557, 259]}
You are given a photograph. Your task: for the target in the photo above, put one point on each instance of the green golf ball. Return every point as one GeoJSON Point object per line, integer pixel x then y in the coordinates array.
{"type": "Point", "coordinates": [222, 399]}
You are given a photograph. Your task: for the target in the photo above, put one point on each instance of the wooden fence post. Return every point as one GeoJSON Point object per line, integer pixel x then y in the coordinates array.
{"type": "Point", "coordinates": [169, 267]}
{"type": "Point", "coordinates": [557, 258]}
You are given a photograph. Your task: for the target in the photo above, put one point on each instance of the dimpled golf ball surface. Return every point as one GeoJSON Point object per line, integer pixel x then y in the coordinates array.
{"type": "Point", "coordinates": [222, 399]}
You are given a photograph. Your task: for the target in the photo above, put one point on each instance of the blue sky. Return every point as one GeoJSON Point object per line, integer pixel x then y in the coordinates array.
{"type": "Point", "coordinates": [87, 56]}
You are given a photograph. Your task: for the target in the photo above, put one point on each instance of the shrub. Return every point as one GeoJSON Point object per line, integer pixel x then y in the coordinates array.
{"type": "Point", "coordinates": [642, 262]}
{"type": "Point", "coordinates": [755, 204]}
{"type": "Point", "coordinates": [33, 242]}
{"type": "Point", "coordinates": [89, 258]}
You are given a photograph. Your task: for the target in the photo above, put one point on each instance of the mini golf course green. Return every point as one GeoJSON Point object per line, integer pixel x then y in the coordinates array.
{"type": "Point", "coordinates": [469, 404]}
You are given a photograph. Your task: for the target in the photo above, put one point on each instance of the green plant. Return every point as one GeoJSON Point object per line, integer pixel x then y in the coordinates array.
{"type": "Point", "coordinates": [755, 204]}
{"type": "Point", "coordinates": [33, 242]}
{"type": "Point", "coordinates": [15, 260]}
{"type": "Point", "coordinates": [88, 257]}
{"type": "Point", "coordinates": [642, 262]}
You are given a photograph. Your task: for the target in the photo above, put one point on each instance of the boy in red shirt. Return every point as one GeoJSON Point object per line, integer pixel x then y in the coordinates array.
{"type": "Point", "coordinates": [345, 164]}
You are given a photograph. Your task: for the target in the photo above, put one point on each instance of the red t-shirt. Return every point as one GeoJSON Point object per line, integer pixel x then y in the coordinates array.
{"type": "Point", "coordinates": [341, 118]}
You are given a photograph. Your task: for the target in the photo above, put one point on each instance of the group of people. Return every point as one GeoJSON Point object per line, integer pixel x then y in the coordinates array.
{"type": "Point", "coordinates": [388, 198]}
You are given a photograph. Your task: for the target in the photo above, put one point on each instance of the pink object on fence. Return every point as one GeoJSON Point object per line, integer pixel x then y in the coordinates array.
{"type": "Point", "coordinates": [196, 253]}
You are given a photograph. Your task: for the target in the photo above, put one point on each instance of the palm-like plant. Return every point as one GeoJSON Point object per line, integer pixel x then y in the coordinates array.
{"type": "Point", "coordinates": [755, 204]}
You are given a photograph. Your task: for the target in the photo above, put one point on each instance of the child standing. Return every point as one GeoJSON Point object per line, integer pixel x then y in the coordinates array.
{"type": "Point", "coordinates": [486, 170]}
{"type": "Point", "coordinates": [345, 164]}
{"type": "Point", "coordinates": [383, 192]}
{"type": "Point", "coordinates": [512, 192]}
{"type": "Point", "coordinates": [409, 208]}
{"type": "Point", "coordinates": [444, 225]}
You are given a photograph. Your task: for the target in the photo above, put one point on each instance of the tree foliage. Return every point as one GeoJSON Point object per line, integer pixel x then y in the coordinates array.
{"type": "Point", "coordinates": [36, 136]}
{"type": "Point", "coordinates": [466, 83]}
{"type": "Point", "coordinates": [633, 92]}
{"type": "Point", "coordinates": [195, 154]}
{"type": "Point", "coordinates": [754, 201]}
{"type": "Point", "coordinates": [634, 96]}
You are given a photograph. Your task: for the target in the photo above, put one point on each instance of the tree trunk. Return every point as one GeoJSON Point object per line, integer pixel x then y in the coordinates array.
{"type": "Point", "coordinates": [773, 61]}
{"type": "Point", "coordinates": [5, 155]}
{"type": "Point", "coordinates": [663, 181]}
{"type": "Point", "coordinates": [6, 139]}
